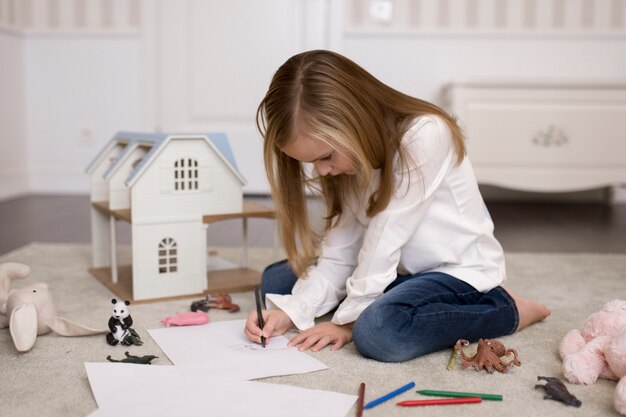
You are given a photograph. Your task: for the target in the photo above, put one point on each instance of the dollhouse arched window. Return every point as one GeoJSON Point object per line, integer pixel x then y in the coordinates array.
{"type": "Point", "coordinates": [186, 174]}
{"type": "Point", "coordinates": [168, 256]}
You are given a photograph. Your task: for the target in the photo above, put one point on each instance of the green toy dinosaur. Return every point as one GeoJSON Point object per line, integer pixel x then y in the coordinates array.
{"type": "Point", "coordinates": [142, 360]}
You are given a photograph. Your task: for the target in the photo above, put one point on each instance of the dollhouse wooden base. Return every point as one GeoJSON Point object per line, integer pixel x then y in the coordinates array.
{"type": "Point", "coordinates": [227, 280]}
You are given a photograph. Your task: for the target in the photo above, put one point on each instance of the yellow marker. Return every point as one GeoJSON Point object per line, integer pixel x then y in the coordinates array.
{"type": "Point", "coordinates": [452, 360]}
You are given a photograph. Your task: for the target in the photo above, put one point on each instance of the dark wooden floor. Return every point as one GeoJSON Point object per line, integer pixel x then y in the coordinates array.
{"type": "Point", "coordinates": [531, 227]}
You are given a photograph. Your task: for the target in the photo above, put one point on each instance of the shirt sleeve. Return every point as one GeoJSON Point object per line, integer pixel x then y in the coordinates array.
{"type": "Point", "coordinates": [325, 283]}
{"type": "Point", "coordinates": [429, 145]}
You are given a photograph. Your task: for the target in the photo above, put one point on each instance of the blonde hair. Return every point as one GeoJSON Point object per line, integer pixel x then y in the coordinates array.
{"type": "Point", "coordinates": [328, 97]}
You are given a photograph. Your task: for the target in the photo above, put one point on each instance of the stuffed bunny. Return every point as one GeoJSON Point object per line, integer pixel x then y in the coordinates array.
{"type": "Point", "coordinates": [599, 350]}
{"type": "Point", "coordinates": [29, 311]}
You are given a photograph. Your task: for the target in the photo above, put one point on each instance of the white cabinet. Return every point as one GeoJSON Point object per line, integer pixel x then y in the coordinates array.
{"type": "Point", "coordinates": [543, 136]}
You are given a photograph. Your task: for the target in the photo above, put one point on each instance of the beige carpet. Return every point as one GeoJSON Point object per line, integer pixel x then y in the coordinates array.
{"type": "Point", "coordinates": [50, 380]}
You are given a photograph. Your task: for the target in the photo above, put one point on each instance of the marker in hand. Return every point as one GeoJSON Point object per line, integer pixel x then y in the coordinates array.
{"type": "Point", "coordinates": [257, 293]}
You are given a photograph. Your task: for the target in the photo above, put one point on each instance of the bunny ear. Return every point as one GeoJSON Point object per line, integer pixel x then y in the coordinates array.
{"type": "Point", "coordinates": [66, 327]}
{"type": "Point", "coordinates": [23, 327]}
{"type": "Point", "coordinates": [8, 272]}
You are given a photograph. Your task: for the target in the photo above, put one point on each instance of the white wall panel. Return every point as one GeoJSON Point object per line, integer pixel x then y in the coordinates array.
{"type": "Point", "coordinates": [573, 41]}
{"type": "Point", "coordinates": [476, 17]}
{"type": "Point", "coordinates": [79, 92]}
{"type": "Point", "coordinates": [212, 63]}
{"type": "Point", "coordinates": [80, 70]}
{"type": "Point", "coordinates": [70, 16]}
{"type": "Point", "coordinates": [68, 82]}
{"type": "Point", "coordinates": [13, 140]}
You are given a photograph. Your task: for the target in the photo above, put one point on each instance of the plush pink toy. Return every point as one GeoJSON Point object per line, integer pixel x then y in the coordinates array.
{"type": "Point", "coordinates": [186, 319]}
{"type": "Point", "coordinates": [599, 350]}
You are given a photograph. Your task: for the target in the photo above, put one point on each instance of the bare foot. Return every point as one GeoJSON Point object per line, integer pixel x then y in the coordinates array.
{"type": "Point", "coordinates": [529, 311]}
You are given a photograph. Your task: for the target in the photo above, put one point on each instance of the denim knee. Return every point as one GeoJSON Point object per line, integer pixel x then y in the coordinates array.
{"type": "Point", "coordinates": [376, 337]}
{"type": "Point", "coordinates": [278, 278]}
{"type": "Point", "coordinates": [428, 313]}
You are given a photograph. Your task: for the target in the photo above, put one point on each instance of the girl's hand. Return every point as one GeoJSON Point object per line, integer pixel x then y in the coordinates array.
{"type": "Point", "coordinates": [321, 335]}
{"type": "Point", "coordinates": [277, 322]}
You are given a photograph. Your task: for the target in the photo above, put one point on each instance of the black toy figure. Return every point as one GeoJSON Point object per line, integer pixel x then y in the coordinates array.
{"type": "Point", "coordinates": [142, 360]}
{"type": "Point", "coordinates": [557, 391]}
{"type": "Point", "coordinates": [120, 323]}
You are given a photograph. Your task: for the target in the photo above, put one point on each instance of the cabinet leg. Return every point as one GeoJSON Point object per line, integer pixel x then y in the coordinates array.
{"type": "Point", "coordinates": [617, 194]}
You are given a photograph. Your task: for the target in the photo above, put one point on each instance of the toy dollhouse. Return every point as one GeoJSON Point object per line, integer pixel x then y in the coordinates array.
{"type": "Point", "coordinates": [169, 187]}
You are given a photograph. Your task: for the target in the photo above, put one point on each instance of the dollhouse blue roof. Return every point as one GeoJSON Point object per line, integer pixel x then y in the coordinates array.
{"type": "Point", "coordinates": [156, 142]}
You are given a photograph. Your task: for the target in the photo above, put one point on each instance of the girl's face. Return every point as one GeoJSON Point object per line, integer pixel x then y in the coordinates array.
{"type": "Point", "coordinates": [325, 159]}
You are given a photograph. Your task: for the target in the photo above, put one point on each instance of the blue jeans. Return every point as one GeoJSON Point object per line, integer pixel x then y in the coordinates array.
{"type": "Point", "coordinates": [418, 314]}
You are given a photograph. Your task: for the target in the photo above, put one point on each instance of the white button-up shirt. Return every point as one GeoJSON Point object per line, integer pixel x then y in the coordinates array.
{"type": "Point", "coordinates": [436, 220]}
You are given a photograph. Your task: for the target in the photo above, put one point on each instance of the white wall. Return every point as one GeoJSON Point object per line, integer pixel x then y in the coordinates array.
{"type": "Point", "coordinates": [211, 63]}
{"type": "Point", "coordinates": [77, 71]}
{"type": "Point", "coordinates": [79, 92]}
{"type": "Point", "coordinates": [421, 45]}
{"type": "Point", "coordinates": [428, 43]}
{"type": "Point", "coordinates": [69, 79]}
{"type": "Point", "coordinates": [13, 143]}
{"type": "Point", "coordinates": [428, 64]}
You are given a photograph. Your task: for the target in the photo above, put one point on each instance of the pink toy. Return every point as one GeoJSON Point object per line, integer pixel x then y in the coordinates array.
{"type": "Point", "coordinates": [186, 319]}
{"type": "Point", "coordinates": [599, 350]}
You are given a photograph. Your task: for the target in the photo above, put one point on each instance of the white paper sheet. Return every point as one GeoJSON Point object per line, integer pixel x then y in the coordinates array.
{"type": "Point", "coordinates": [220, 352]}
{"type": "Point", "coordinates": [138, 382]}
{"type": "Point", "coordinates": [149, 390]}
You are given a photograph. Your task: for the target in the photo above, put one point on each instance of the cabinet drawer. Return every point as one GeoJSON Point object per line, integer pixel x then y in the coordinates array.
{"type": "Point", "coordinates": [543, 137]}
{"type": "Point", "coordinates": [546, 132]}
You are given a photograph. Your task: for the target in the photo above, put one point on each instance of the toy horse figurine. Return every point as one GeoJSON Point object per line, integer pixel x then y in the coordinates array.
{"type": "Point", "coordinates": [557, 391]}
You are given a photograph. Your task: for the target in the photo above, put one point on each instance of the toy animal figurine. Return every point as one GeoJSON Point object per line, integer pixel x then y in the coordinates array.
{"type": "Point", "coordinates": [141, 360]}
{"type": "Point", "coordinates": [557, 391]}
{"type": "Point", "coordinates": [487, 356]}
{"type": "Point", "coordinates": [30, 312]}
{"type": "Point", "coordinates": [186, 319]}
{"type": "Point", "coordinates": [221, 301]}
{"type": "Point", "coordinates": [120, 323]}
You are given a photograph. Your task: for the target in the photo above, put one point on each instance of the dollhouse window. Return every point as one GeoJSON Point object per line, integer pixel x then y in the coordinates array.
{"type": "Point", "coordinates": [136, 163]}
{"type": "Point", "coordinates": [186, 174]}
{"type": "Point", "coordinates": [168, 256]}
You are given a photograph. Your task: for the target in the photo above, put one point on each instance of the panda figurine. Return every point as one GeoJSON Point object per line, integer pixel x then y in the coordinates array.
{"type": "Point", "coordinates": [120, 323]}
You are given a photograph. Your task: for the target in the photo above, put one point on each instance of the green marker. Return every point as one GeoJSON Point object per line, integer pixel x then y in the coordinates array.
{"type": "Point", "coordinates": [453, 394]}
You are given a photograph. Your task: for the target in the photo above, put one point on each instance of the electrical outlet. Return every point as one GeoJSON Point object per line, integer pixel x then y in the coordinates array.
{"type": "Point", "coordinates": [381, 10]}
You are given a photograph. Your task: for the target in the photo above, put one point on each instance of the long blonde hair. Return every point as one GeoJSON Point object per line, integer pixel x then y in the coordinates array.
{"type": "Point", "coordinates": [333, 99]}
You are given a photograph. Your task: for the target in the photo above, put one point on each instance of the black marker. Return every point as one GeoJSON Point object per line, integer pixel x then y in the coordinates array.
{"type": "Point", "coordinates": [257, 293]}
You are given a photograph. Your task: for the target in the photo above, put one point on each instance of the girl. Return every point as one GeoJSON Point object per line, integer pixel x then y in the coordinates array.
{"type": "Point", "coordinates": [407, 254]}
